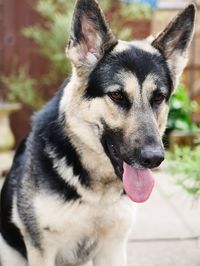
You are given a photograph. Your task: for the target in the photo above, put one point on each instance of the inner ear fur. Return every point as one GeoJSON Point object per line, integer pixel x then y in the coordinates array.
{"type": "Point", "coordinates": [174, 41]}
{"type": "Point", "coordinates": [91, 37]}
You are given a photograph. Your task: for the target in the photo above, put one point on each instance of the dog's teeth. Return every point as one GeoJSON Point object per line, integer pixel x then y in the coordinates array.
{"type": "Point", "coordinates": [113, 148]}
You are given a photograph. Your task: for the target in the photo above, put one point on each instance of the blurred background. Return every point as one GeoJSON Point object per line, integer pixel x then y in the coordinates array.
{"type": "Point", "coordinates": [33, 36]}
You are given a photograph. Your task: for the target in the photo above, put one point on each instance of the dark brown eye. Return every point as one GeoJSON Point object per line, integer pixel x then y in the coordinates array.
{"type": "Point", "coordinates": [158, 98]}
{"type": "Point", "coordinates": [116, 96]}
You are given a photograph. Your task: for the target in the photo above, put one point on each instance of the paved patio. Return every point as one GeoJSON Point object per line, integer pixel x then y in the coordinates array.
{"type": "Point", "coordinates": [167, 230]}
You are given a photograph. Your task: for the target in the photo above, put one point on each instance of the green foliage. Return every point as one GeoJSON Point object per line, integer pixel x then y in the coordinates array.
{"type": "Point", "coordinates": [21, 88]}
{"type": "Point", "coordinates": [136, 11]}
{"type": "Point", "coordinates": [181, 107]}
{"type": "Point", "coordinates": [106, 4]}
{"type": "Point", "coordinates": [185, 162]}
{"type": "Point", "coordinates": [127, 12]}
{"type": "Point", "coordinates": [51, 36]}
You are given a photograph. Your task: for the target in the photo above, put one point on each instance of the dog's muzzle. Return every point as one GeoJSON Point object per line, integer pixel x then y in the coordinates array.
{"type": "Point", "coordinates": [133, 167]}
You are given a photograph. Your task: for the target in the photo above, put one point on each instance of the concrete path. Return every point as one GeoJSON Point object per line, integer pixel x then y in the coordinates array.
{"type": "Point", "coordinates": [167, 230]}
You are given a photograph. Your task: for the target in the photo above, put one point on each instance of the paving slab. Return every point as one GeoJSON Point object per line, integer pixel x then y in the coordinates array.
{"type": "Point", "coordinates": [156, 219]}
{"type": "Point", "coordinates": [185, 207]}
{"type": "Point", "coordinates": [167, 229]}
{"type": "Point", "coordinates": [164, 253]}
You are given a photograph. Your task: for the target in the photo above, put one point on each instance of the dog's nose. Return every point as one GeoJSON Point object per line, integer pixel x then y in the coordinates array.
{"type": "Point", "coordinates": [151, 157]}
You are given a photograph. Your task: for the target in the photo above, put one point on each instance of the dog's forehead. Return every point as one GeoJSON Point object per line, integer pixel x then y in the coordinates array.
{"type": "Point", "coordinates": [133, 60]}
{"type": "Point", "coordinates": [136, 60]}
{"type": "Point", "coordinates": [139, 58]}
{"type": "Point", "coordinates": [144, 45]}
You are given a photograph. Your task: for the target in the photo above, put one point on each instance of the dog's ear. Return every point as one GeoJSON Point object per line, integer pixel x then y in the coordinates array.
{"type": "Point", "coordinates": [90, 36]}
{"type": "Point", "coordinates": [174, 41]}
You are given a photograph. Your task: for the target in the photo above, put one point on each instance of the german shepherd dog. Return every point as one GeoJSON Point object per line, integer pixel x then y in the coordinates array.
{"type": "Point", "coordinates": [68, 199]}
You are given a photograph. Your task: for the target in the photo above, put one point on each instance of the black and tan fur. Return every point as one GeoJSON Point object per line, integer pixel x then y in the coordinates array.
{"type": "Point", "coordinates": [63, 201]}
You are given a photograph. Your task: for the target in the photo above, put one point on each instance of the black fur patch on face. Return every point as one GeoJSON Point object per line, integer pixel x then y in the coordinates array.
{"type": "Point", "coordinates": [136, 61]}
{"type": "Point", "coordinates": [111, 140]}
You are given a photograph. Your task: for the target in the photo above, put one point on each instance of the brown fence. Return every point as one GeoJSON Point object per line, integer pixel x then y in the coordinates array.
{"type": "Point", "coordinates": [14, 16]}
{"type": "Point", "coordinates": [15, 49]}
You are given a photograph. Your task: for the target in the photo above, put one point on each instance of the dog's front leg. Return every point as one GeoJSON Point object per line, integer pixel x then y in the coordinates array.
{"type": "Point", "coordinates": [37, 257]}
{"type": "Point", "coordinates": [111, 254]}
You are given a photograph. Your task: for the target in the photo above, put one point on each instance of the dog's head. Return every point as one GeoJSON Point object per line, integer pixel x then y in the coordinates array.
{"type": "Point", "coordinates": [121, 89]}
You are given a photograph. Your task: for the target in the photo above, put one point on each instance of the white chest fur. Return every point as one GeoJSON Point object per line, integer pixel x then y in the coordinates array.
{"type": "Point", "coordinates": [75, 231]}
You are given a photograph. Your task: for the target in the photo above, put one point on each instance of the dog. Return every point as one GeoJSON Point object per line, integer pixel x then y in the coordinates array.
{"type": "Point", "coordinates": [69, 196]}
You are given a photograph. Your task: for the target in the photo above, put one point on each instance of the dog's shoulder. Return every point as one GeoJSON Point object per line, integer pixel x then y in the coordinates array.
{"type": "Point", "coordinates": [50, 112]}
{"type": "Point", "coordinates": [8, 229]}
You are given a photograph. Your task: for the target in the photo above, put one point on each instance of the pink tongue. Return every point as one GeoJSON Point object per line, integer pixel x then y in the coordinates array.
{"type": "Point", "coordinates": [138, 183]}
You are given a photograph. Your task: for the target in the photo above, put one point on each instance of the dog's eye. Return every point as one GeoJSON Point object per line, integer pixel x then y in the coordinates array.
{"type": "Point", "coordinates": [116, 96]}
{"type": "Point", "coordinates": [158, 98]}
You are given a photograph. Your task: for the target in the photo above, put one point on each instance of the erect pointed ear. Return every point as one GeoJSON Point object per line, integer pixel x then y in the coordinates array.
{"type": "Point", "coordinates": [90, 36]}
{"type": "Point", "coordinates": [174, 41]}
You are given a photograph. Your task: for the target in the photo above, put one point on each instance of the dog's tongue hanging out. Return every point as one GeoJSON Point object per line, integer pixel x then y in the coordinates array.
{"type": "Point", "coordinates": [138, 183]}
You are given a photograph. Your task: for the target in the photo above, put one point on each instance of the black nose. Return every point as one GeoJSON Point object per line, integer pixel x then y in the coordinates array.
{"type": "Point", "coordinates": [151, 157]}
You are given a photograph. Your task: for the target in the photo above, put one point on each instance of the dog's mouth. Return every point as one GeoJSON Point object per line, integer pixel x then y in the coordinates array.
{"type": "Point", "coordinates": [137, 182]}
{"type": "Point", "coordinates": [115, 157]}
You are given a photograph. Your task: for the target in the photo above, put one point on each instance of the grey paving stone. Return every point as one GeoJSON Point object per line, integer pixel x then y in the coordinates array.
{"type": "Point", "coordinates": [181, 253]}
{"type": "Point", "coordinates": [185, 207]}
{"type": "Point", "coordinates": [167, 228]}
{"type": "Point", "coordinates": [157, 219]}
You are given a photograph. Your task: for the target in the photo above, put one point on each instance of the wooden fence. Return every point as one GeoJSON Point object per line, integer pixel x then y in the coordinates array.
{"type": "Point", "coordinates": [14, 16]}
{"type": "Point", "coordinates": [15, 49]}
